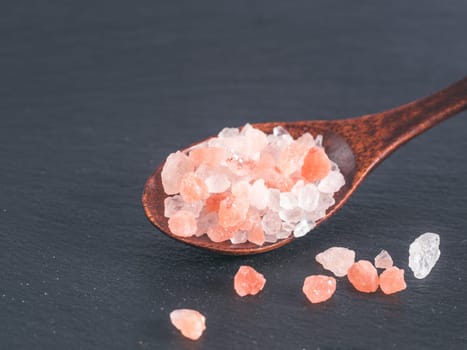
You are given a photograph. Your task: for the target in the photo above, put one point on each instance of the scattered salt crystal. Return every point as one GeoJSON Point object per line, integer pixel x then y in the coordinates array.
{"type": "Point", "coordinates": [423, 254]}
{"type": "Point", "coordinates": [303, 227]}
{"type": "Point", "coordinates": [248, 281]}
{"type": "Point", "coordinates": [287, 200]}
{"type": "Point", "coordinates": [337, 260]}
{"type": "Point", "coordinates": [319, 288]}
{"type": "Point", "coordinates": [239, 237]}
{"type": "Point", "coordinates": [308, 197]}
{"type": "Point", "coordinates": [383, 260]}
{"type": "Point", "coordinates": [392, 280]}
{"type": "Point", "coordinates": [332, 183]}
{"type": "Point", "coordinates": [176, 165]}
{"type": "Point", "coordinates": [190, 323]}
{"type": "Point", "coordinates": [217, 183]}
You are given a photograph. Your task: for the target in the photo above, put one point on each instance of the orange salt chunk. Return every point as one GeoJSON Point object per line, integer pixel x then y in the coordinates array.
{"type": "Point", "coordinates": [392, 280]}
{"type": "Point", "coordinates": [319, 288]}
{"type": "Point", "coordinates": [193, 188]}
{"type": "Point", "coordinates": [232, 211]}
{"type": "Point", "coordinates": [183, 223]}
{"type": "Point", "coordinates": [248, 281]}
{"type": "Point", "coordinates": [211, 156]}
{"type": "Point", "coordinates": [363, 276]}
{"type": "Point", "coordinates": [316, 165]}
{"type": "Point", "coordinates": [190, 323]}
{"type": "Point", "coordinates": [213, 202]}
{"type": "Point", "coordinates": [220, 234]}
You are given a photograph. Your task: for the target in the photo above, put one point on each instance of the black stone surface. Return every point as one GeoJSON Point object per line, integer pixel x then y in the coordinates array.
{"type": "Point", "coordinates": [94, 95]}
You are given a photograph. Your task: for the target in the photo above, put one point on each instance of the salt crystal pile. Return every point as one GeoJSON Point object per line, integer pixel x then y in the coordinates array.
{"type": "Point", "coordinates": [190, 323]}
{"type": "Point", "coordinates": [248, 281]}
{"type": "Point", "coordinates": [246, 186]}
{"type": "Point", "coordinates": [319, 288]}
{"type": "Point", "coordinates": [423, 254]}
{"type": "Point", "coordinates": [383, 260]}
{"type": "Point", "coordinates": [337, 260]}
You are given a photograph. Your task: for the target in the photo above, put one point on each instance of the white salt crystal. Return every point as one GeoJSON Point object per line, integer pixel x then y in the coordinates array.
{"type": "Point", "coordinates": [292, 215]}
{"type": "Point", "coordinates": [274, 199]}
{"type": "Point", "coordinates": [280, 131]}
{"type": "Point", "coordinates": [297, 187]}
{"type": "Point", "coordinates": [270, 238]}
{"type": "Point", "coordinates": [423, 254]}
{"type": "Point", "coordinates": [383, 260]}
{"type": "Point", "coordinates": [217, 183]}
{"type": "Point", "coordinates": [176, 203]}
{"type": "Point", "coordinates": [239, 237]}
{"type": "Point", "coordinates": [307, 140]}
{"type": "Point", "coordinates": [229, 132]}
{"type": "Point", "coordinates": [286, 230]}
{"type": "Point", "coordinates": [176, 165]}
{"type": "Point", "coordinates": [337, 260]}
{"type": "Point", "coordinates": [332, 182]}
{"type": "Point", "coordinates": [259, 194]}
{"type": "Point", "coordinates": [308, 197]}
{"type": "Point", "coordinates": [303, 227]}
{"type": "Point", "coordinates": [319, 140]}
{"type": "Point", "coordinates": [287, 200]}
{"type": "Point", "coordinates": [271, 223]}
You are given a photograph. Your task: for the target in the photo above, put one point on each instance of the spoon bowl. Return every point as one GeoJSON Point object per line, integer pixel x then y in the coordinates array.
{"type": "Point", "coordinates": [356, 145]}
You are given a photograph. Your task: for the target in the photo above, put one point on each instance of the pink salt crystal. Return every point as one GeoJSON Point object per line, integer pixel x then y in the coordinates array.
{"type": "Point", "coordinates": [193, 188]}
{"type": "Point", "coordinates": [363, 276]}
{"type": "Point", "coordinates": [190, 323]}
{"type": "Point", "coordinates": [176, 165]}
{"type": "Point", "coordinates": [256, 235]}
{"type": "Point", "coordinates": [392, 280]}
{"type": "Point", "coordinates": [248, 281]}
{"type": "Point", "coordinates": [213, 202]}
{"type": "Point", "coordinates": [183, 224]}
{"type": "Point", "coordinates": [232, 211]}
{"type": "Point", "coordinates": [337, 260]}
{"type": "Point", "coordinates": [259, 194]}
{"type": "Point", "coordinates": [221, 234]}
{"type": "Point", "coordinates": [319, 288]}
{"type": "Point", "coordinates": [316, 165]}
{"type": "Point", "coordinates": [383, 260]}
{"type": "Point", "coordinates": [291, 159]}
{"type": "Point", "coordinates": [211, 156]}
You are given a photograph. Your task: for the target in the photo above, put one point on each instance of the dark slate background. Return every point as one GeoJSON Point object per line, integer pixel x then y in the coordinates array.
{"type": "Point", "coordinates": [94, 95]}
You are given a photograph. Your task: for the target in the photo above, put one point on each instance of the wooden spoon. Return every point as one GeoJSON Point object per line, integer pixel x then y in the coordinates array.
{"type": "Point", "coordinates": [357, 145]}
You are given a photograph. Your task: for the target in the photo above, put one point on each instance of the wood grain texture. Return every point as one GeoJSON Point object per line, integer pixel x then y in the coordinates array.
{"type": "Point", "coordinates": [356, 145]}
{"type": "Point", "coordinates": [94, 95]}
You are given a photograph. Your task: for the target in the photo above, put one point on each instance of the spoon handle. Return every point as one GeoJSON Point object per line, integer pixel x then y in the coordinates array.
{"type": "Point", "coordinates": [383, 133]}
